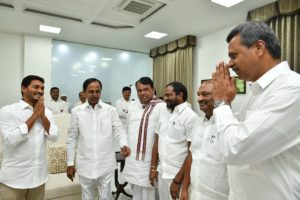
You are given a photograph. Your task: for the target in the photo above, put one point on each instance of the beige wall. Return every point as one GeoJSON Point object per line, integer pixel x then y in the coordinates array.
{"type": "Point", "coordinates": [11, 70]}
{"type": "Point", "coordinates": [20, 56]}
{"type": "Point", "coordinates": [210, 50]}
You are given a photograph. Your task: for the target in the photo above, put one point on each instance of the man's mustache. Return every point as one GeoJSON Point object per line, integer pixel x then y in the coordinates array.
{"type": "Point", "coordinates": [203, 102]}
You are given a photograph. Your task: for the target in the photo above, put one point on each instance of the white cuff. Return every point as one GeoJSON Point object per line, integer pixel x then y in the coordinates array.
{"type": "Point", "coordinates": [23, 129]}
{"type": "Point", "coordinates": [70, 163]}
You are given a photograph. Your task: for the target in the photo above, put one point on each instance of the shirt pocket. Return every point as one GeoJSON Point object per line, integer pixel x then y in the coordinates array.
{"type": "Point", "coordinates": [213, 149]}
{"type": "Point", "coordinates": [105, 126]}
{"type": "Point", "coordinates": [177, 131]}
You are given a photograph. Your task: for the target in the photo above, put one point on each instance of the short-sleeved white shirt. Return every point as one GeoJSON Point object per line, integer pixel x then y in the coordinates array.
{"type": "Point", "coordinates": [174, 130]}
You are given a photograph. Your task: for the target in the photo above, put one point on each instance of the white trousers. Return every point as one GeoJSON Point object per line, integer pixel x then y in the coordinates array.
{"type": "Point", "coordinates": [164, 188]}
{"type": "Point", "coordinates": [142, 193]}
{"type": "Point", "coordinates": [102, 183]}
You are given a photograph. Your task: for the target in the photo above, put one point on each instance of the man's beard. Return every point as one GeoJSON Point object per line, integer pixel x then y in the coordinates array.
{"type": "Point", "coordinates": [171, 105]}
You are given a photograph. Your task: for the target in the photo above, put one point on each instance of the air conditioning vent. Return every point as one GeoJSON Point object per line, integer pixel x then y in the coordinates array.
{"type": "Point", "coordinates": [138, 7]}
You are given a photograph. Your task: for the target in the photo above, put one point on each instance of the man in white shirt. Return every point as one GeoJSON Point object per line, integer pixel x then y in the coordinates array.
{"type": "Point", "coordinates": [173, 141]}
{"type": "Point", "coordinates": [122, 105]}
{"type": "Point", "coordinates": [65, 99]}
{"type": "Point", "coordinates": [142, 121]}
{"type": "Point", "coordinates": [56, 105]}
{"type": "Point", "coordinates": [82, 99]}
{"type": "Point", "coordinates": [261, 144]}
{"type": "Point", "coordinates": [93, 127]}
{"type": "Point", "coordinates": [205, 174]}
{"type": "Point", "coordinates": [25, 126]}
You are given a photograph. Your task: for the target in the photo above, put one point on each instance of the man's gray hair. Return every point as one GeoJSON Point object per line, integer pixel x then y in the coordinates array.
{"type": "Point", "coordinates": [251, 32]}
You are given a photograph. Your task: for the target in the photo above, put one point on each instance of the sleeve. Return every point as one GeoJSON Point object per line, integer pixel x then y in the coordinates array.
{"type": "Point", "coordinates": [270, 129]}
{"type": "Point", "coordinates": [189, 126]}
{"type": "Point", "coordinates": [12, 132]}
{"type": "Point", "coordinates": [53, 131]}
{"type": "Point", "coordinates": [194, 132]}
{"type": "Point", "coordinates": [118, 129]}
{"type": "Point", "coordinates": [122, 114]}
{"type": "Point", "coordinates": [160, 117]}
{"type": "Point", "coordinates": [72, 139]}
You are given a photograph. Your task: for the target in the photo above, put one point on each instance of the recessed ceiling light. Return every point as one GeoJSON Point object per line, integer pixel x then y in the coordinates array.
{"type": "Point", "coordinates": [155, 35]}
{"type": "Point", "coordinates": [124, 55]}
{"type": "Point", "coordinates": [50, 29]}
{"type": "Point", "coordinates": [227, 3]}
{"type": "Point", "coordinates": [106, 59]}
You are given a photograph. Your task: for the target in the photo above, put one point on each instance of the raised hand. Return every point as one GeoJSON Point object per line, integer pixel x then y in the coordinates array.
{"type": "Point", "coordinates": [39, 108]}
{"type": "Point", "coordinates": [224, 85]}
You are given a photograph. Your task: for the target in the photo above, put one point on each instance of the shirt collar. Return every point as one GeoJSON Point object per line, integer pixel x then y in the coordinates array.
{"type": "Point", "coordinates": [87, 105]}
{"type": "Point", "coordinates": [179, 108]}
{"type": "Point", "coordinates": [271, 75]}
{"type": "Point", "coordinates": [211, 119]}
{"type": "Point", "coordinates": [24, 104]}
{"type": "Point", "coordinates": [125, 99]}
{"type": "Point", "coordinates": [54, 100]}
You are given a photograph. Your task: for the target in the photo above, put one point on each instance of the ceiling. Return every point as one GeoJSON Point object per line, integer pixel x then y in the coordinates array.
{"type": "Point", "coordinates": [121, 24]}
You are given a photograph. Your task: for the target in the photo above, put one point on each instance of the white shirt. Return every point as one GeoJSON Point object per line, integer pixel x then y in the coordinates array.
{"type": "Point", "coordinates": [137, 171]}
{"type": "Point", "coordinates": [208, 171]}
{"type": "Point", "coordinates": [174, 132]}
{"type": "Point", "coordinates": [93, 132]}
{"type": "Point", "coordinates": [24, 162]}
{"type": "Point", "coordinates": [58, 106]}
{"type": "Point", "coordinates": [122, 108]}
{"type": "Point", "coordinates": [262, 145]}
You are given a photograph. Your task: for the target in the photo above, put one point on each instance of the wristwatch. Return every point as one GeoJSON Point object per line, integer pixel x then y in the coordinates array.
{"type": "Point", "coordinates": [220, 102]}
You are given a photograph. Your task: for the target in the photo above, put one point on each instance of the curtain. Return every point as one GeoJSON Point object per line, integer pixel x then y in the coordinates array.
{"type": "Point", "coordinates": [283, 16]}
{"type": "Point", "coordinates": [174, 62]}
{"type": "Point", "coordinates": [287, 29]}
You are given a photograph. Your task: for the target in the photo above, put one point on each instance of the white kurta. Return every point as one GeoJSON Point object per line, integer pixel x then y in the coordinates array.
{"type": "Point", "coordinates": [24, 162]}
{"type": "Point", "coordinates": [209, 179]}
{"type": "Point", "coordinates": [262, 145]}
{"type": "Point", "coordinates": [137, 171]}
{"type": "Point", "coordinates": [92, 131]}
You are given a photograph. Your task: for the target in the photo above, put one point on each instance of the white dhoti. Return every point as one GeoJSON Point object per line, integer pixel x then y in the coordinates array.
{"type": "Point", "coordinates": [143, 193]}
{"type": "Point", "coordinates": [164, 188]}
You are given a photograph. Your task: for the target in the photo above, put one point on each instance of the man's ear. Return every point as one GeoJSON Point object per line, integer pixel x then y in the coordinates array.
{"type": "Point", "coordinates": [180, 96]}
{"type": "Point", "coordinates": [23, 89]}
{"type": "Point", "coordinates": [260, 47]}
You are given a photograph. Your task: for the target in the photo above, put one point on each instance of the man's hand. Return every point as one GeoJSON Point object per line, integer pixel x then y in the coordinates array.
{"type": "Point", "coordinates": [174, 190]}
{"type": "Point", "coordinates": [125, 151]}
{"type": "Point", "coordinates": [224, 85]}
{"type": "Point", "coordinates": [184, 194]}
{"type": "Point", "coordinates": [39, 108]}
{"type": "Point", "coordinates": [71, 172]}
{"type": "Point", "coordinates": [153, 176]}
